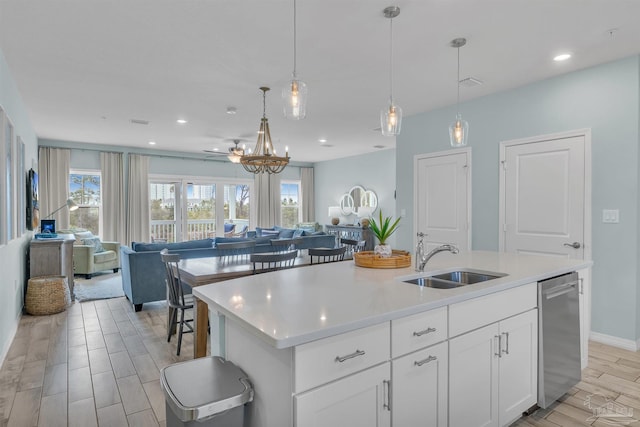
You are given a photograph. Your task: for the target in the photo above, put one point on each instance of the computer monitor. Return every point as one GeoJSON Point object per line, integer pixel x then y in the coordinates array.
{"type": "Point", "coordinates": [48, 226]}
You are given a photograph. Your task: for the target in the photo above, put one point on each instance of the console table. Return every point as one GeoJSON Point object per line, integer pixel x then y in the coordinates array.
{"type": "Point", "coordinates": [52, 257]}
{"type": "Point", "coordinates": [354, 232]}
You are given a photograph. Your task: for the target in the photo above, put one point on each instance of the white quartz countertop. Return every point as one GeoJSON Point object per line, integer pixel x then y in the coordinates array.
{"type": "Point", "coordinates": [291, 307]}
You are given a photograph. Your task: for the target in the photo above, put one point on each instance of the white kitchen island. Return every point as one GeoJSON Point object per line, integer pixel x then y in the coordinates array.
{"type": "Point", "coordinates": [334, 344]}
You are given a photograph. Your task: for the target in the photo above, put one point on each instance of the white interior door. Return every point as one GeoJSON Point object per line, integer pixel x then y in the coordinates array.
{"type": "Point", "coordinates": [442, 193]}
{"type": "Point", "coordinates": [544, 205]}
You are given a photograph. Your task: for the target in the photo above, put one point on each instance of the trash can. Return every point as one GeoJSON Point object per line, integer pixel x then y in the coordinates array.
{"type": "Point", "coordinates": [205, 392]}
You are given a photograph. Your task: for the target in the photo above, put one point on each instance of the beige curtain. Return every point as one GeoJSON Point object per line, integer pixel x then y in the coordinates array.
{"type": "Point", "coordinates": [53, 177]}
{"type": "Point", "coordinates": [113, 225]}
{"type": "Point", "coordinates": [308, 206]}
{"type": "Point", "coordinates": [137, 225]}
{"type": "Point", "coordinates": [267, 189]}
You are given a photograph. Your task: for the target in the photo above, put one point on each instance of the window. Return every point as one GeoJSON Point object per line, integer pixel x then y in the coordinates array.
{"type": "Point", "coordinates": [195, 209]}
{"type": "Point", "coordinates": [290, 211]}
{"type": "Point", "coordinates": [84, 189]}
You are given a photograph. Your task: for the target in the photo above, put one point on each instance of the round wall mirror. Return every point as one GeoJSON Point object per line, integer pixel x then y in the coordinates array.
{"type": "Point", "coordinates": [346, 204]}
{"type": "Point", "coordinates": [356, 194]}
{"type": "Point", "coordinates": [369, 200]}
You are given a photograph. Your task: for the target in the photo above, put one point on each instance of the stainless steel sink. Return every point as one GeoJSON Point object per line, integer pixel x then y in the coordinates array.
{"type": "Point", "coordinates": [468, 277]}
{"type": "Point", "coordinates": [455, 279]}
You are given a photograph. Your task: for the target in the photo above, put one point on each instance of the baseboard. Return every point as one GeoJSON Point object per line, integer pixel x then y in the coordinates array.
{"type": "Point", "coordinates": [7, 345]}
{"type": "Point", "coordinates": [623, 343]}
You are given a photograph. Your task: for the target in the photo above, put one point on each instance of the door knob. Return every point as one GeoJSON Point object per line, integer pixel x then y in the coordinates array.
{"type": "Point", "coordinates": [574, 245]}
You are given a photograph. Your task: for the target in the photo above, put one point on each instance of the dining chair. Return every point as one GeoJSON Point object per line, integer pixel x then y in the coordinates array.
{"type": "Point", "coordinates": [176, 300]}
{"type": "Point", "coordinates": [284, 245]}
{"type": "Point", "coordinates": [324, 255]}
{"type": "Point", "coordinates": [235, 251]}
{"type": "Point", "coordinates": [353, 246]}
{"type": "Point", "coordinates": [263, 263]}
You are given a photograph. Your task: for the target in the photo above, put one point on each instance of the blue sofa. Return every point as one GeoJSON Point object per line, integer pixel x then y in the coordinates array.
{"type": "Point", "coordinates": [143, 274]}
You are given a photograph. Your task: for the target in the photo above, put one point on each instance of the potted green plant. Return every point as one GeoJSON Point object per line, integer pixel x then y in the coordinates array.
{"type": "Point", "coordinates": [383, 228]}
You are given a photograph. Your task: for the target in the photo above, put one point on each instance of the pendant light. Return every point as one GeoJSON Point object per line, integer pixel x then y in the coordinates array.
{"type": "Point", "coordinates": [459, 129]}
{"type": "Point", "coordinates": [391, 116]}
{"type": "Point", "coordinates": [263, 158]}
{"type": "Point", "coordinates": [294, 95]}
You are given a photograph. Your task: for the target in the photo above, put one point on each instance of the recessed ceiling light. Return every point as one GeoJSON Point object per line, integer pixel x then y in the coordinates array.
{"type": "Point", "coordinates": [562, 57]}
{"type": "Point", "coordinates": [181, 121]}
{"type": "Point", "coordinates": [322, 141]}
{"type": "Point", "coordinates": [232, 110]}
{"type": "Point", "coordinates": [152, 143]}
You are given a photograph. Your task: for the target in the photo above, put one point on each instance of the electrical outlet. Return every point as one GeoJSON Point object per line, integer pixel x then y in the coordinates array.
{"type": "Point", "coordinates": [611, 216]}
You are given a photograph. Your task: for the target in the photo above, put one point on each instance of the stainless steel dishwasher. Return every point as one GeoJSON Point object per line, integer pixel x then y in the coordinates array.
{"type": "Point", "coordinates": [558, 337]}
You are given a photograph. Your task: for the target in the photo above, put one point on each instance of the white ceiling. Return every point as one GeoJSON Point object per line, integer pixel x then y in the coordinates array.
{"type": "Point", "coordinates": [86, 68]}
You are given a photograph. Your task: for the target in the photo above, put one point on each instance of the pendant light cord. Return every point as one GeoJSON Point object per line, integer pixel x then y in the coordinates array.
{"type": "Point", "coordinates": [391, 60]}
{"type": "Point", "coordinates": [294, 39]}
{"type": "Point", "coordinates": [458, 83]}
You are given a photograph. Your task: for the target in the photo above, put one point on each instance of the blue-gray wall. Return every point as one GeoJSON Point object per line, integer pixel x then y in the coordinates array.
{"type": "Point", "coordinates": [13, 254]}
{"type": "Point", "coordinates": [374, 171]}
{"type": "Point", "coordinates": [605, 99]}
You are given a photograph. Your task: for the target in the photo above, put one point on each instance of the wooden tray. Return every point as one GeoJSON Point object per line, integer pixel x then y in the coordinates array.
{"type": "Point", "coordinates": [398, 259]}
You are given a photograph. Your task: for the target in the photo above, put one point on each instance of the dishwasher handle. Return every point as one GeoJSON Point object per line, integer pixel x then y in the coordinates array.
{"type": "Point", "coordinates": [556, 291]}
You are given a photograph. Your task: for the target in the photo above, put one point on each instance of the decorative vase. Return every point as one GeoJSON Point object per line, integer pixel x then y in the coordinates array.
{"type": "Point", "coordinates": [384, 251]}
{"type": "Point", "coordinates": [335, 221]}
{"type": "Point", "coordinates": [364, 222]}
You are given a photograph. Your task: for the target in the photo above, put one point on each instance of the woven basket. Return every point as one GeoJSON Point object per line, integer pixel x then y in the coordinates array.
{"type": "Point", "coordinates": [368, 259]}
{"type": "Point", "coordinates": [47, 295]}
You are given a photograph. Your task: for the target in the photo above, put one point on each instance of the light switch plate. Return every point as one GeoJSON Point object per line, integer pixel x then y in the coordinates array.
{"type": "Point", "coordinates": [611, 216]}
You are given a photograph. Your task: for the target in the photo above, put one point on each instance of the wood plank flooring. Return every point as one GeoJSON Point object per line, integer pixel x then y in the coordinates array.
{"type": "Point", "coordinates": [98, 364]}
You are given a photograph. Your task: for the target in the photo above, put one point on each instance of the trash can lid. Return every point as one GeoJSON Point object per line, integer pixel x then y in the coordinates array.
{"type": "Point", "coordinates": [200, 388]}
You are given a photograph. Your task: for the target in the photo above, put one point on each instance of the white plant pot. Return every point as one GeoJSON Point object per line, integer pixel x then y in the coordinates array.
{"type": "Point", "coordinates": [383, 251]}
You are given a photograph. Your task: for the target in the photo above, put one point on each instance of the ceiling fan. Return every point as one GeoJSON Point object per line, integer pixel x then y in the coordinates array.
{"type": "Point", "coordinates": [233, 154]}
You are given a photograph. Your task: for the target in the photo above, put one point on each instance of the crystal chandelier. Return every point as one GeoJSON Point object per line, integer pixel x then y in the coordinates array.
{"type": "Point", "coordinates": [263, 158]}
{"type": "Point", "coordinates": [459, 129]}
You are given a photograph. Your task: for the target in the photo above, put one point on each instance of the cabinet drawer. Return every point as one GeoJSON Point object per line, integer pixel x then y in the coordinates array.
{"type": "Point", "coordinates": [325, 360]}
{"type": "Point", "coordinates": [477, 312]}
{"type": "Point", "coordinates": [418, 331]}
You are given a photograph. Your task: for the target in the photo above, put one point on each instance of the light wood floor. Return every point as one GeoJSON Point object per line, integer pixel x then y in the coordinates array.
{"type": "Point", "coordinates": [98, 364]}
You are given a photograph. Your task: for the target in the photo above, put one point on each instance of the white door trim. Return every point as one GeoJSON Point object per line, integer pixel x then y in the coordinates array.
{"type": "Point", "coordinates": [586, 133]}
{"type": "Point", "coordinates": [416, 159]}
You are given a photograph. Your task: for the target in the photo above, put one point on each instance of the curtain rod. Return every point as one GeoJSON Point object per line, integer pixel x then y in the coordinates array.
{"type": "Point", "coordinates": [166, 156]}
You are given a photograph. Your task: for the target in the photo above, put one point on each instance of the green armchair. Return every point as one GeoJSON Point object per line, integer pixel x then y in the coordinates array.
{"type": "Point", "coordinates": [87, 261]}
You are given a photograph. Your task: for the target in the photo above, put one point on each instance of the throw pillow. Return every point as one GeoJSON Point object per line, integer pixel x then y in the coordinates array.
{"type": "Point", "coordinates": [271, 233]}
{"type": "Point", "coordinates": [95, 242]}
{"type": "Point", "coordinates": [81, 235]}
{"type": "Point", "coordinates": [298, 233]}
{"type": "Point", "coordinates": [259, 231]}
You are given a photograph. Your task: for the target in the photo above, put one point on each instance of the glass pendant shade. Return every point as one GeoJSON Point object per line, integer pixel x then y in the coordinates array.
{"type": "Point", "coordinates": [294, 97]}
{"type": "Point", "coordinates": [391, 120]}
{"type": "Point", "coordinates": [458, 132]}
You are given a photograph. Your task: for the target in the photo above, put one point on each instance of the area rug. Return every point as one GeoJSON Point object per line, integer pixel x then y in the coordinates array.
{"type": "Point", "coordinates": [100, 286]}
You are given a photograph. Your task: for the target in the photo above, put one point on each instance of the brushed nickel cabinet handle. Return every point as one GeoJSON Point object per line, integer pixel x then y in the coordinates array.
{"type": "Point", "coordinates": [387, 395]}
{"type": "Point", "coordinates": [498, 338]}
{"type": "Point", "coordinates": [423, 361]}
{"type": "Point", "coordinates": [506, 335]}
{"type": "Point", "coordinates": [424, 332]}
{"type": "Point", "coordinates": [349, 356]}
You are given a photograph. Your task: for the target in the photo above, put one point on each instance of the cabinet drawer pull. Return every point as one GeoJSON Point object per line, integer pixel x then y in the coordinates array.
{"type": "Point", "coordinates": [349, 356]}
{"type": "Point", "coordinates": [427, 360]}
{"type": "Point", "coordinates": [506, 350]}
{"type": "Point", "coordinates": [498, 340]}
{"type": "Point", "coordinates": [426, 331]}
{"type": "Point", "coordinates": [387, 395]}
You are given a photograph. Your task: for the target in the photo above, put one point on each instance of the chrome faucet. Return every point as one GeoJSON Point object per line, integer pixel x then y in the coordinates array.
{"type": "Point", "coordinates": [423, 261]}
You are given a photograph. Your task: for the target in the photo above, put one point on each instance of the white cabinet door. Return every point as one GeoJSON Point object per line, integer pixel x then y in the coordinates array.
{"type": "Point", "coordinates": [359, 400]}
{"type": "Point", "coordinates": [473, 378]}
{"type": "Point", "coordinates": [585, 314]}
{"type": "Point", "coordinates": [518, 389]}
{"type": "Point", "coordinates": [420, 388]}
